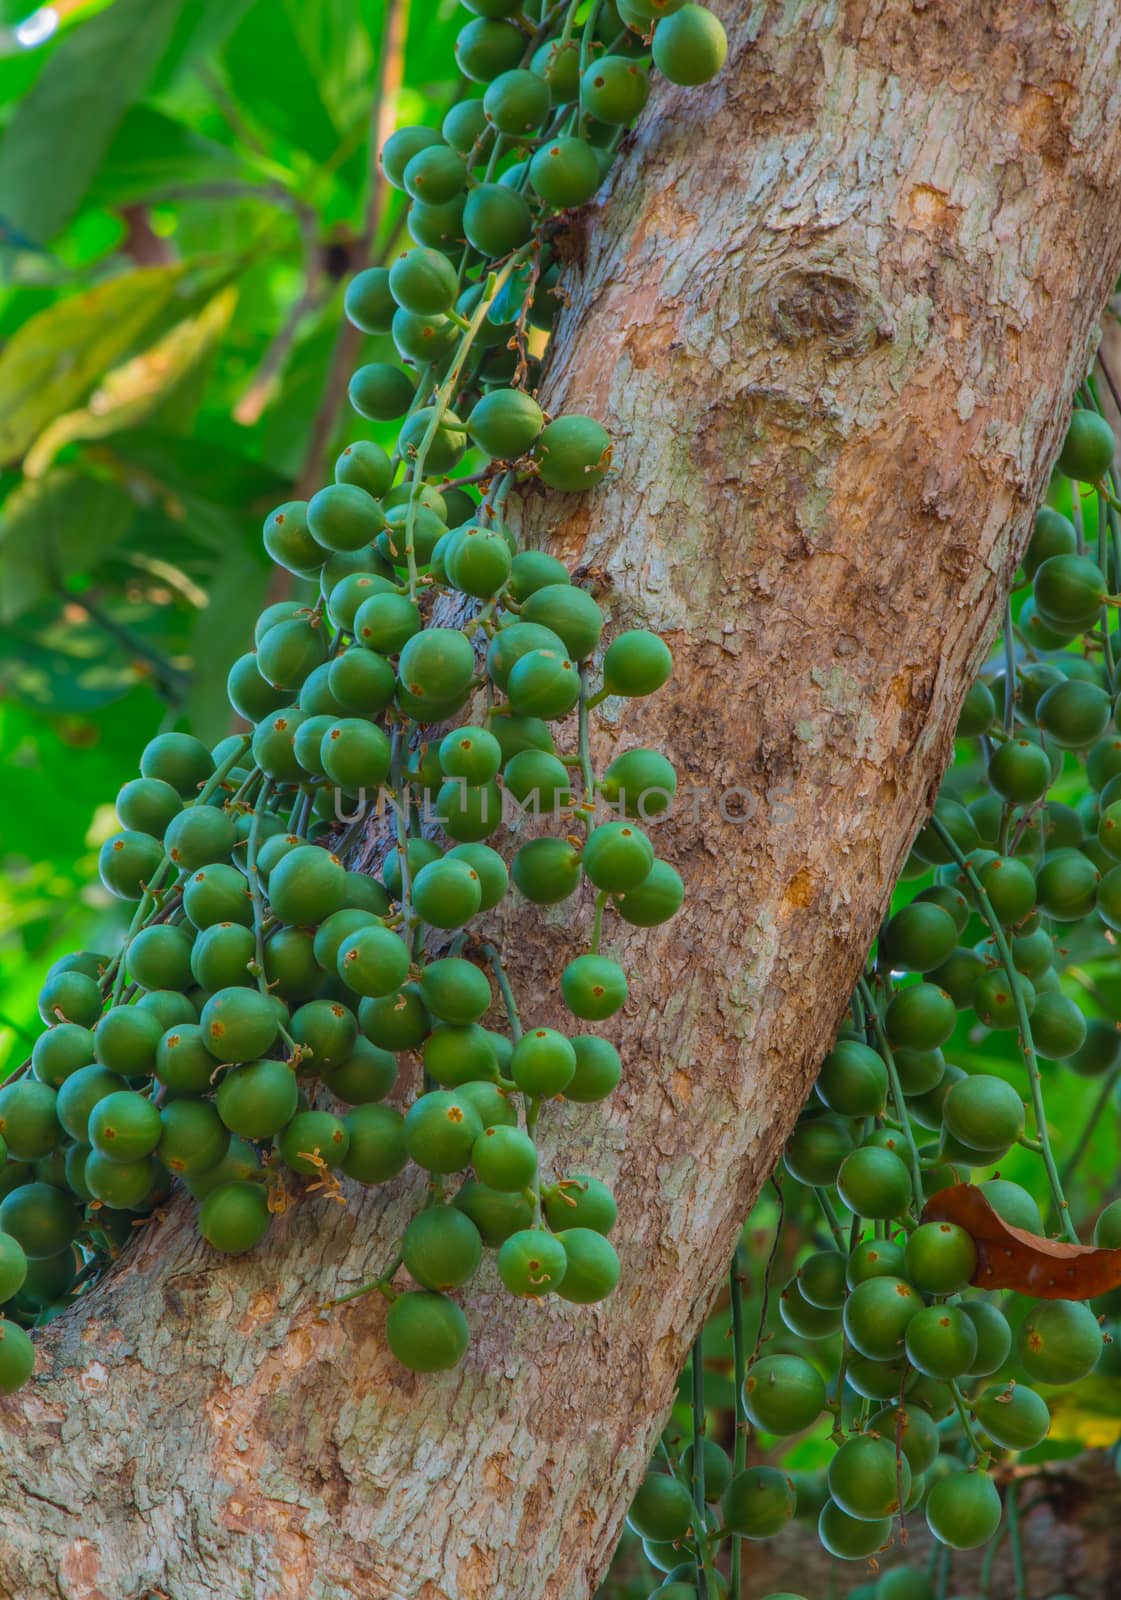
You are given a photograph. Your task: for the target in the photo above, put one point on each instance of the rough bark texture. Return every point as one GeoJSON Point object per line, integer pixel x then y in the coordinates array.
{"type": "Point", "coordinates": [833, 309]}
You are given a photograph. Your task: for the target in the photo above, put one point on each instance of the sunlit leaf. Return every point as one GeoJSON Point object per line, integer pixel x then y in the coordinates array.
{"type": "Point", "coordinates": [58, 356]}
{"type": "Point", "coordinates": [161, 380]}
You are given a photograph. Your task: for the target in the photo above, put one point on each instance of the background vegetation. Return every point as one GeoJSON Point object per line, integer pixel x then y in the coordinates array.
{"type": "Point", "coordinates": [185, 187]}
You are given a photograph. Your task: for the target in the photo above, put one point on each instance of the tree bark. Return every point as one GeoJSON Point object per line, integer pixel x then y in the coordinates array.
{"type": "Point", "coordinates": [833, 309]}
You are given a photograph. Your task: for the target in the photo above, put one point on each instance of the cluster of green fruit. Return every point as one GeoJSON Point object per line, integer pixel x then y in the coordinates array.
{"type": "Point", "coordinates": [921, 1381]}
{"type": "Point", "coordinates": [254, 1021]}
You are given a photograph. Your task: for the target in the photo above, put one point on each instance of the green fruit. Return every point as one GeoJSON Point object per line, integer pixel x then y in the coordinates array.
{"type": "Point", "coordinates": [977, 712]}
{"type": "Point", "coordinates": [426, 1332]}
{"type": "Point", "coordinates": [489, 45]}
{"type": "Point", "coordinates": [376, 1151]}
{"type": "Point", "coordinates": [192, 1136]}
{"type": "Point", "coordinates": [1067, 886]}
{"type": "Point", "coordinates": [851, 1538]}
{"type": "Point", "coordinates": [783, 1394]}
{"type": "Point", "coordinates": [496, 220]}
{"type": "Point", "coordinates": [373, 961]}
{"type": "Point", "coordinates": [218, 893]}
{"type": "Point", "coordinates": [513, 642]}
{"type": "Point", "coordinates": [234, 1217]}
{"type": "Point", "coordinates": [614, 89]}
{"type": "Point", "coordinates": [160, 957]}
{"type": "Point", "coordinates": [343, 516]}
{"type": "Point", "coordinates": [580, 1202]}
{"type": "Point", "coordinates": [591, 1266]}
{"type": "Point", "coordinates": [868, 1479]}
{"type": "Point", "coordinates": [565, 172]}
{"type": "Point", "coordinates": [655, 900]}
{"type": "Point", "coordinates": [178, 759]}
{"type": "Point", "coordinates": [617, 856]}
{"type": "Point", "coordinates": [308, 884]}
{"type": "Point", "coordinates": [963, 1510]}
{"type": "Point", "coordinates": [399, 1022]}
{"type": "Point", "coordinates": [446, 893]}
{"type": "Point", "coordinates": [815, 1150]}
{"type": "Point", "coordinates": [662, 1508]}
{"type": "Point", "coordinates": [543, 1062]}
{"type": "Point", "coordinates": [877, 1314]}
{"type": "Point", "coordinates": [459, 1055]}
{"type": "Point", "coordinates": [690, 46]}
{"type": "Point", "coordinates": [919, 937]}
{"type": "Point", "coordinates": [238, 1024]}
{"type": "Point", "coordinates": [516, 102]}
{"type": "Point", "coordinates": [121, 1185]}
{"type": "Point", "coordinates": [489, 868]}
{"type": "Point", "coordinates": [1074, 714]}
{"type": "Point", "coordinates": [28, 1119]}
{"type": "Point", "coordinates": [940, 1257]}
{"type": "Point", "coordinates": [912, 1431]}
{"type": "Point", "coordinates": [13, 1266]}
{"type": "Point", "coordinates": [441, 436]}
{"type": "Point", "coordinates": [1069, 591]}
{"type": "Point", "coordinates": [313, 1140]}
{"type": "Point", "coordinates": [60, 1051]}
{"type": "Point", "coordinates": [1052, 535]}
{"type": "Point", "coordinates": [327, 1031]}
{"type": "Point", "coordinates": [984, 1112]}
{"type": "Point", "coordinates": [1059, 1342]}
{"type": "Point", "coordinates": [478, 561]}
{"type": "Point", "coordinates": [367, 1074]}
{"type": "Point", "coordinates": [994, 998]}
{"type": "Point", "coordinates": [40, 1218]}
{"type": "Point", "coordinates": [505, 1159]}
{"type": "Point", "coordinates": [759, 1502]}
{"type": "Point", "coordinates": [572, 453]}
{"type": "Point", "coordinates": [717, 1468]}
{"type": "Point", "coordinates": [440, 1131]}
{"type": "Point", "coordinates": [1009, 888]}
{"type": "Point", "coordinates": [442, 1248]}
{"type": "Point", "coordinates": [547, 870]}
{"type": "Point", "coordinates": [386, 622]}
{"type": "Point", "coordinates": [1058, 1026]}
{"type": "Point", "coordinates": [379, 392]}
{"type": "Point", "coordinates": [496, 1215]}
{"type": "Point", "coordinates": [1088, 448]}
{"type": "Point", "coordinates": [637, 663]}
{"type": "Point", "coordinates": [147, 805]}
{"type": "Point", "coordinates": [921, 1017]}
{"type": "Point", "coordinates": [124, 1126]}
{"type": "Point", "coordinates": [1013, 1416]}
{"type": "Point", "coordinates": [874, 1258]}
{"type": "Point", "coordinates": [874, 1183]}
{"type": "Point", "coordinates": [365, 464]}
{"type": "Point", "coordinates": [422, 280]}
{"type": "Point", "coordinates": [472, 754]}
{"type": "Point", "coordinates": [127, 863]}
{"type": "Point", "coordinates": [941, 1341]}
{"type": "Point", "coordinates": [455, 990]}
{"type": "Point", "coordinates": [361, 681]}
{"type": "Point", "coordinates": [17, 1357]}
{"type": "Point", "coordinates": [531, 1263]}
{"type": "Point", "coordinates": [436, 176]}
{"type": "Point", "coordinates": [257, 1099]}
{"type": "Point", "coordinates": [598, 1069]}
{"type": "Point", "coordinates": [593, 987]}
{"type": "Point", "coordinates": [368, 303]}
{"type": "Point", "coordinates": [853, 1080]}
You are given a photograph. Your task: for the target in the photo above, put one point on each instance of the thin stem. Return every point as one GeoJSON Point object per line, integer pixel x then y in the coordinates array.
{"type": "Point", "coordinates": [255, 887]}
{"type": "Point", "coordinates": [739, 1370]}
{"type": "Point", "coordinates": [898, 1101]}
{"type": "Point", "coordinates": [832, 1219]}
{"type": "Point", "coordinates": [1027, 1044]}
{"type": "Point", "coordinates": [706, 1574]}
{"type": "Point", "coordinates": [1104, 1096]}
{"type": "Point", "coordinates": [1012, 1511]}
{"type": "Point", "coordinates": [501, 978]}
{"type": "Point", "coordinates": [382, 1285]}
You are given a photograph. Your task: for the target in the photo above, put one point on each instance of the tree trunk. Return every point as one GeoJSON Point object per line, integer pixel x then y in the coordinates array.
{"type": "Point", "coordinates": [833, 310]}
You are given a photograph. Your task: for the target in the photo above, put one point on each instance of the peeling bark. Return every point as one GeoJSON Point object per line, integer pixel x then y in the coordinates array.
{"type": "Point", "coordinates": [833, 310]}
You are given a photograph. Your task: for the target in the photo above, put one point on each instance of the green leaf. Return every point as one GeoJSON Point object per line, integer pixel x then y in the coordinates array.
{"type": "Point", "coordinates": [162, 381]}
{"type": "Point", "coordinates": [151, 151]}
{"type": "Point", "coordinates": [283, 96]}
{"type": "Point", "coordinates": [200, 31]}
{"type": "Point", "coordinates": [60, 132]}
{"type": "Point", "coordinates": [56, 358]}
{"type": "Point", "coordinates": [53, 527]}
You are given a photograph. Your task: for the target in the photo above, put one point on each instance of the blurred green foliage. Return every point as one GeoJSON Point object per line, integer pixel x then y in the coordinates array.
{"type": "Point", "coordinates": [184, 189]}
